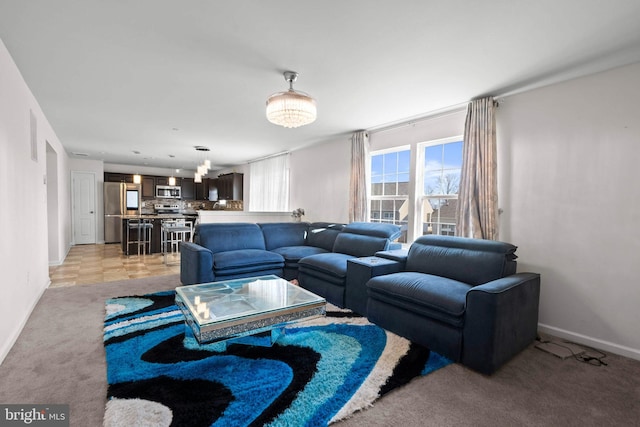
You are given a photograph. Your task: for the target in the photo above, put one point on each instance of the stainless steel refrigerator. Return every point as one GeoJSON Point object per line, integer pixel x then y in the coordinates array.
{"type": "Point", "coordinates": [120, 199]}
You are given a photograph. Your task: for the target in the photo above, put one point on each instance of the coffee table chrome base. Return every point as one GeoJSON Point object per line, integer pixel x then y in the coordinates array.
{"type": "Point", "coordinates": [275, 325]}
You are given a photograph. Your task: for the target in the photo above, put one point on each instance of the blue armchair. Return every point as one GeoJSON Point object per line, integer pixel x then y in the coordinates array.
{"type": "Point", "coordinates": [461, 298]}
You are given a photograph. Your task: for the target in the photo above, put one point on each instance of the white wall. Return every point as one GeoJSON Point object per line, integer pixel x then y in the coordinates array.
{"type": "Point", "coordinates": [319, 178]}
{"type": "Point", "coordinates": [24, 245]}
{"type": "Point", "coordinates": [568, 167]}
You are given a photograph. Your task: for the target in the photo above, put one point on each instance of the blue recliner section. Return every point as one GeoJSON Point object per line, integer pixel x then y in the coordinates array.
{"type": "Point", "coordinates": [294, 241]}
{"type": "Point", "coordinates": [461, 298]}
{"type": "Point", "coordinates": [325, 274]}
{"type": "Point", "coordinates": [227, 251]}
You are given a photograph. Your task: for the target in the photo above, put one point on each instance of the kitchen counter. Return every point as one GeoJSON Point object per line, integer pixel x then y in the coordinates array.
{"type": "Point", "coordinates": [162, 216]}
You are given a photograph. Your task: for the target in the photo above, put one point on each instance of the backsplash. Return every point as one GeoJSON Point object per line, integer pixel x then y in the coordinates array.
{"type": "Point", "coordinates": [193, 205]}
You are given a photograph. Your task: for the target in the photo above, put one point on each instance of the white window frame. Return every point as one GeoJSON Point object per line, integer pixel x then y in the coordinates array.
{"type": "Point", "coordinates": [422, 196]}
{"type": "Point", "coordinates": [383, 198]}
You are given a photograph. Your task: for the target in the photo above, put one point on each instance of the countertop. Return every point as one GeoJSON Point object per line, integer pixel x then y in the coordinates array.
{"type": "Point", "coordinates": [160, 216]}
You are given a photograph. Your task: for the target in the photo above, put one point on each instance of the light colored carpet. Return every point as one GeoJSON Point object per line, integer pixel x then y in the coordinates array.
{"type": "Point", "coordinates": [59, 358]}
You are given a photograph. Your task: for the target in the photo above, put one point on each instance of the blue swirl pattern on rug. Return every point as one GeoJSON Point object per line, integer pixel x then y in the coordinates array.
{"type": "Point", "coordinates": [304, 379]}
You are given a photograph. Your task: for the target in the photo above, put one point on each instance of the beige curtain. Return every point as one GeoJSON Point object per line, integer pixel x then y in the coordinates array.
{"type": "Point", "coordinates": [478, 195]}
{"type": "Point", "coordinates": [358, 189]}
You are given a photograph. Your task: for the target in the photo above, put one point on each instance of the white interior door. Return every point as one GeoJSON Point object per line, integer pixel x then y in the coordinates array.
{"type": "Point", "coordinates": [84, 207]}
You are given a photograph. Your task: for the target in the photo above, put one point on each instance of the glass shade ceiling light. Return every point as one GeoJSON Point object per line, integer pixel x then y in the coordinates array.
{"type": "Point", "coordinates": [291, 109]}
{"type": "Point", "coordinates": [202, 169]}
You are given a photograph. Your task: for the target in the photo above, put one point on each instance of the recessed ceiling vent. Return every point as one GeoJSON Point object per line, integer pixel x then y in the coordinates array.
{"type": "Point", "coordinates": [201, 148]}
{"type": "Point", "coordinates": [80, 154]}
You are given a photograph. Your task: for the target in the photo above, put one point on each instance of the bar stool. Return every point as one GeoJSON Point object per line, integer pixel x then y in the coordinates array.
{"type": "Point", "coordinates": [143, 229]}
{"type": "Point", "coordinates": [173, 232]}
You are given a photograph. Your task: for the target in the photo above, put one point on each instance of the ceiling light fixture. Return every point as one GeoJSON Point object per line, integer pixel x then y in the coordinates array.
{"type": "Point", "coordinates": [291, 109]}
{"type": "Point", "coordinates": [202, 169]}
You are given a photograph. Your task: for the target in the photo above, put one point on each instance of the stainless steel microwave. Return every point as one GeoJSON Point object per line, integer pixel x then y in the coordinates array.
{"type": "Point", "coordinates": [168, 192]}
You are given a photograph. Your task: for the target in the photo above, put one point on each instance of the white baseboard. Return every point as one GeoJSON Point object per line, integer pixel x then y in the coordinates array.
{"type": "Point", "coordinates": [607, 346]}
{"type": "Point", "coordinates": [8, 344]}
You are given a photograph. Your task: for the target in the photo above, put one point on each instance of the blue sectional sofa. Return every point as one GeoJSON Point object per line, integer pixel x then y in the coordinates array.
{"type": "Point", "coordinates": [459, 297]}
{"type": "Point", "coordinates": [222, 251]}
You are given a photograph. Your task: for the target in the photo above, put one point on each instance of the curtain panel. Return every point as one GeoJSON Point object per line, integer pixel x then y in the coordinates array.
{"type": "Point", "coordinates": [358, 188]}
{"type": "Point", "coordinates": [269, 184]}
{"type": "Point", "coordinates": [478, 195]}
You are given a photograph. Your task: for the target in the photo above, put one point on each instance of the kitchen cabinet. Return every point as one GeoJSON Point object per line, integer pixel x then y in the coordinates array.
{"type": "Point", "coordinates": [188, 189]}
{"type": "Point", "coordinates": [230, 186]}
{"type": "Point", "coordinates": [202, 189]}
{"type": "Point", "coordinates": [118, 177]}
{"type": "Point", "coordinates": [148, 187]}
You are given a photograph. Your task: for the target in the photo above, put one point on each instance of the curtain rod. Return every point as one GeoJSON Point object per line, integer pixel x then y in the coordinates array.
{"type": "Point", "coordinates": [408, 122]}
{"type": "Point", "coordinates": [282, 153]}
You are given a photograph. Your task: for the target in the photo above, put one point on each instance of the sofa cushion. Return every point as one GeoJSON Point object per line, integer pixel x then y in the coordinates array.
{"type": "Point", "coordinates": [471, 261]}
{"type": "Point", "coordinates": [375, 229]}
{"type": "Point", "coordinates": [427, 295]}
{"type": "Point", "coordinates": [280, 234]}
{"type": "Point", "coordinates": [246, 258]}
{"type": "Point", "coordinates": [323, 235]}
{"type": "Point", "coordinates": [222, 237]}
{"type": "Point", "coordinates": [296, 253]}
{"type": "Point", "coordinates": [330, 264]}
{"type": "Point", "coordinates": [358, 245]}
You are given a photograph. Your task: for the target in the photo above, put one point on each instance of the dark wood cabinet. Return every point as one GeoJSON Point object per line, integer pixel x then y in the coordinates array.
{"type": "Point", "coordinates": [202, 189]}
{"type": "Point", "coordinates": [148, 187]}
{"type": "Point", "coordinates": [118, 177]}
{"type": "Point", "coordinates": [230, 186]}
{"type": "Point", "coordinates": [162, 180]}
{"type": "Point", "coordinates": [188, 189]}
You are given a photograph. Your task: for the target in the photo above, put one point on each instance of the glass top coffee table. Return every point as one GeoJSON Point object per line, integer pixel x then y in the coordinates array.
{"type": "Point", "coordinates": [233, 309]}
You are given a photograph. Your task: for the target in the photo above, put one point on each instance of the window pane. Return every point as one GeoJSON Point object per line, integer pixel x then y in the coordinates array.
{"type": "Point", "coordinates": [376, 166]}
{"type": "Point", "coordinates": [442, 166]}
{"type": "Point", "coordinates": [390, 173]}
{"type": "Point", "coordinates": [391, 163]}
{"type": "Point", "coordinates": [439, 216]}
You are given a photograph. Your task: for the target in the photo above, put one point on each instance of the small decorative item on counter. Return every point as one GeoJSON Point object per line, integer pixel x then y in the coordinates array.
{"type": "Point", "coordinates": [297, 214]}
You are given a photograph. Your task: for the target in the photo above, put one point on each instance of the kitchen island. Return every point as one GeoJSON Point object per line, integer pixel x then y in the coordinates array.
{"type": "Point", "coordinates": [156, 231]}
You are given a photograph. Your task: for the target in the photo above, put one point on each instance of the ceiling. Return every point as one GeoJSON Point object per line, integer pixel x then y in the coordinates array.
{"type": "Point", "coordinates": [159, 77]}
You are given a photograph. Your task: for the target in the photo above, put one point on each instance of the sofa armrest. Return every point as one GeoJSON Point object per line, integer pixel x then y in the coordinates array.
{"type": "Point", "coordinates": [359, 271]}
{"type": "Point", "coordinates": [501, 319]}
{"type": "Point", "coordinates": [196, 264]}
{"type": "Point", "coordinates": [399, 255]}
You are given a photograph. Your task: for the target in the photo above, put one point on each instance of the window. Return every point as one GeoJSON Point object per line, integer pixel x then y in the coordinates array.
{"type": "Point", "coordinates": [390, 170]}
{"type": "Point", "coordinates": [429, 207]}
{"type": "Point", "coordinates": [441, 172]}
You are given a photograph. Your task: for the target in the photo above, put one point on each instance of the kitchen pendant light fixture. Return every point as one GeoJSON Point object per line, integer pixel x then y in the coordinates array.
{"type": "Point", "coordinates": [291, 109]}
{"type": "Point", "coordinates": [202, 169]}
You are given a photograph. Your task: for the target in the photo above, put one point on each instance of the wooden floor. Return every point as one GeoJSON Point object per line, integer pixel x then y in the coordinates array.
{"type": "Point", "coordinates": [87, 264]}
